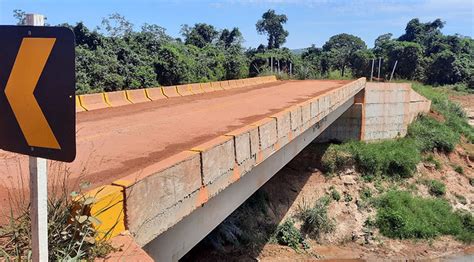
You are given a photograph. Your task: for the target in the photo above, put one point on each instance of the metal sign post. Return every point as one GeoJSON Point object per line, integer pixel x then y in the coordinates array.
{"type": "Point", "coordinates": [38, 189]}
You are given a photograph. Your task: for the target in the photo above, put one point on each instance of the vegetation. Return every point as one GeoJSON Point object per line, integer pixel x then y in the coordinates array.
{"type": "Point", "coordinates": [435, 187]}
{"type": "Point", "coordinates": [115, 56]}
{"type": "Point", "coordinates": [315, 218]}
{"type": "Point", "coordinates": [287, 234]}
{"type": "Point", "coordinates": [401, 215]}
{"type": "Point", "coordinates": [392, 158]}
{"type": "Point", "coordinates": [71, 234]}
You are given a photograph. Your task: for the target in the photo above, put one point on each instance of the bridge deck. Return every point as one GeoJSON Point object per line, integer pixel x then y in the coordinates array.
{"type": "Point", "coordinates": [114, 142]}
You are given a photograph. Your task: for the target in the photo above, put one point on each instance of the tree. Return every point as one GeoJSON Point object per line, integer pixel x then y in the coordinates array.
{"type": "Point", "coordinates": [20, 16]}
{"type": "Point", "coordinates": [341, 47]}
{"type": "Point", "coordinates": [421, 33]}
{"type": "Point", "coordinates": [199, 35]}
{"type": "Point", "coordinates": [271, 24]}
{"type": "Point", "coordinates": [116, 25]}
{"type": "Point", "coordinates": [360, 63]}
{"type": "Point", "coordinates": [410, 59]}
{"type": "Point", "coordinates": [230, 38]}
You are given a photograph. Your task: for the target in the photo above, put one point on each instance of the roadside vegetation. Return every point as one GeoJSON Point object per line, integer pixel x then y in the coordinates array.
{"type": "Point", "coordinates": [71, 232]}
{"type": "Point", "coordinates": [115, 55]}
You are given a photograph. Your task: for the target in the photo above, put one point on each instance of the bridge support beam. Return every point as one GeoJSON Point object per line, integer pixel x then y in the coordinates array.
{"type": "Point", "coordinates": [182, 237]}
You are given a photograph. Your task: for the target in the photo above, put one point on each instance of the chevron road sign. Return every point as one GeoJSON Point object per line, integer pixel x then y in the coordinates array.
{"type": "Point", "coordinates": [37, 91]}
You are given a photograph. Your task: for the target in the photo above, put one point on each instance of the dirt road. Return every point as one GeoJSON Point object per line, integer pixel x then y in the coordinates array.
{"type": "Point", "coordinates": [114, 142]}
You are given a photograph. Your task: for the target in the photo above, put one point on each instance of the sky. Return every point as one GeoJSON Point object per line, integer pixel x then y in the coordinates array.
{"type": "Point", "coordinates": [309, 21]}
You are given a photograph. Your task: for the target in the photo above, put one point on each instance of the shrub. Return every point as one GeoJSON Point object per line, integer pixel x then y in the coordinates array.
{"type": "Point", "coordinates": [335, 195]}
{"type": "Point", "coordinates": [71, 234]}
{"type": "Point", "coordinates": [431, 159]}
{"type": "Point", "coordinates": [365, 193]}
{"type": "Point", "coordinates": [435, 187]}
{"type": "Point", "coordinates": [287, 234]}
{"type": "Point", "coordinates": [394, 158]}
{"type": "Point", "coordinates": [401, 215]}
{"type": "Point", "coordinates": [430, 134]}
{"type": "Point", "coordinates": [347, 197]}
{"type": "Point", "coordinates": [459, 169]}
{"type": "Point", "coordinates": [452, 112]}
{"type": "Point", "coordinates": [315, 219]}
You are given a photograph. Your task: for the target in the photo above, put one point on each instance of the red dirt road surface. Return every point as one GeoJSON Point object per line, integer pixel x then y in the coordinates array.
{"type": "Point", "coordinates": [115, 142]}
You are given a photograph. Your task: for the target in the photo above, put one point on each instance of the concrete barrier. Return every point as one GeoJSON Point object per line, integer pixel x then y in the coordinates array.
{"type": "Point", "coordinates": [117, 98]}
{"type": "Point", "coordinates": [108, 207]}
{"type": "Point", "coordinates": [93, 101]}
{"type": "Point", "coordinates": [137, 96]}
{"type": "Point", "coordinates": [207, 88]}
{"type": "Point", "coordinates": [170, 91]}
{"type": "Point", "coordinates": [184, 90]}
{"type": "Point", "coordinates": [224, 85]}
{"type": "Point", "coordinates": [196, 88]}
{"type": "Point", "coordinates": [79, 107]}
{"type": "Point", "coordinates": [217, 86]}
{"type": "Point", "coordinates": [155, 93]}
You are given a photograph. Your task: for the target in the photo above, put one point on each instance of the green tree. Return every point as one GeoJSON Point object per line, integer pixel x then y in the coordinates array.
{"type": "Point", "coordinates": [271, 24]}
{"type": "Point", "coordinates": [340, 49]}
{"type": "Point", "coordinates": [199, 35]}
{"type": "Point", "coordinates": [230, 38]}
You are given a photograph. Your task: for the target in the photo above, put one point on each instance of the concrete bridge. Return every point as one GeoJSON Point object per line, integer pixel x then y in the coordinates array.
{"type": "Point", "coordinates": [170, 164]}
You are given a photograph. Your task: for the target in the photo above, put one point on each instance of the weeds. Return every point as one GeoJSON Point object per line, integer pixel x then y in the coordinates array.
{"type": "Point", "coordinates": [435, 187]}
{"type": "Point", "coordinates": [402, 215]}
{"type": "Point", "coordinates": [430, 134]}
{"type": "Point", "coordinates": [431, 159]}
{"type": "Point", "coordinates": [458, 169]}
{"type": "Point", "coordinates": [71, 234]}
{"type": "Point", "coordinates": [315, 219]}
{"type": "Point", "coordinates": [394, 158]}
{"type": "Point", "coordinates": [287, 234]}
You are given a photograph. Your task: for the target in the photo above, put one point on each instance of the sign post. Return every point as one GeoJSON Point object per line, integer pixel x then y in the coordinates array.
{"type": "Point", "coordinates": [38, 188]}
{"type": "Point", "coordinates": [37, 108]}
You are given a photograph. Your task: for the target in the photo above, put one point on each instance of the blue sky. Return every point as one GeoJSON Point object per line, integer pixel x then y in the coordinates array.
{"type": "Point", "coordinates": [309, 21]}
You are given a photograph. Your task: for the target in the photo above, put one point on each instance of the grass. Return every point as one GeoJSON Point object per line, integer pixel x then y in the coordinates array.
{"type": "Point", "coordinates": [429, 134]}
{"type": "Point", "coordinates": [71, 234]}
{"type": "Point", "coordinates": [402, 215]}
{"type": "Point", "coordinates": [315, 218]}
{"type": "Point", "coordinates": [288, 235]}
{"type": "Point", "coordinates": [394, 158]}
{"type": "Point", "coordinates": [436, 188]}
{"type": "Point", "coordinates": [431, 159]}
{"type": "Point", "coordinates": [455, 117]}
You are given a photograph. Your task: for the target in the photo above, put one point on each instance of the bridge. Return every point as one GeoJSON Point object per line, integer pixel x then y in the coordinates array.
{"type": "Point", "coordinates": [169, 164]}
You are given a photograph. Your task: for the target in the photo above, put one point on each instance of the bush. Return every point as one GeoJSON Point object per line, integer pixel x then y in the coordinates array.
{"type": "Point", "coordinates": [315, 219]}
{"type": "Point", "coordinates": [455, 116]}
{"type": "Point", "coordinates": [431, 159]}
{"type": "Point", "coordinates": [435, 187]}
{"type": "Point", "coordinates": [430, 134]}
{"type": "Point", "coordinates": [287, 234]}
{"type": "Point", "coordinates": [459, 169]}
{"type": "Point", "coordinates": [394, 158]}
{"type": "Point", "coordinates": [335, 195]}
{"type": "Point", "coordinates": [401, 215]}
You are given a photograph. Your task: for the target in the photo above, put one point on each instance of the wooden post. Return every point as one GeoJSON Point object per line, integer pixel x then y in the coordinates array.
{"type": "Point", "coordinates": [372, 70]}
{"type": "Point", "coordinates": [393, 70]}
{"type": "Point", "coordinates": [271, 64]}
{"type": "Point", "coordinates": [38, 189]}
{"type": "Point", "coordinates": [380, 63]}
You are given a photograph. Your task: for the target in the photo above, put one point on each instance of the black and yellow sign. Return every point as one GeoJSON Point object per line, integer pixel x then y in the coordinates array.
{"type": "Point", "coordinates": [37, 92]}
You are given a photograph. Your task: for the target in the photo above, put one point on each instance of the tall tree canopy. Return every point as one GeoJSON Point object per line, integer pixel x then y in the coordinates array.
{"type": "Point", "coordinates": [199, 35]}
{"type": "Point", "coordinates": [340, 49]}
{"type": "Point", "coordinates": [271, 24]}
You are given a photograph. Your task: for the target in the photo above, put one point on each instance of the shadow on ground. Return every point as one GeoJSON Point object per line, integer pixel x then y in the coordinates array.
{"type": "Point", "coordinates": [242, 235]}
